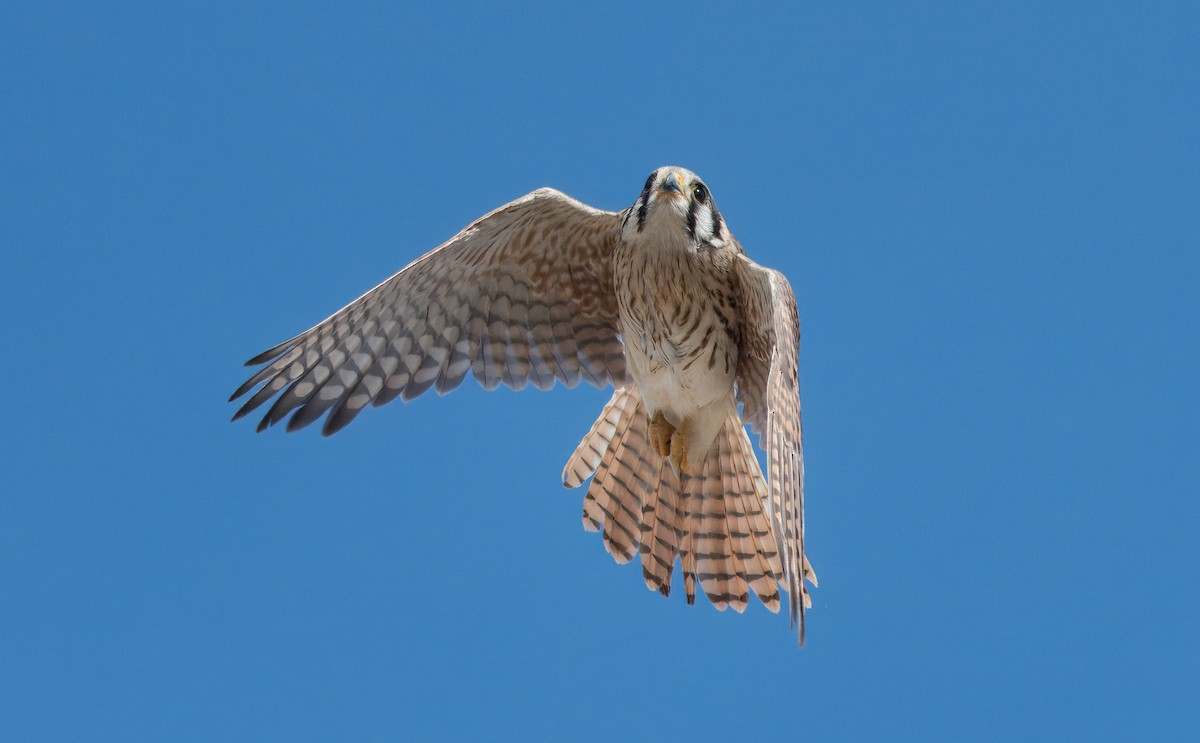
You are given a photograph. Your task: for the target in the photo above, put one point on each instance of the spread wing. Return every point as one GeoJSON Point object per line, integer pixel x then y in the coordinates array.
{"type": "Point", "coordinates": [769, 390]}
{"type": "Point", "coordinates": [522, 295]}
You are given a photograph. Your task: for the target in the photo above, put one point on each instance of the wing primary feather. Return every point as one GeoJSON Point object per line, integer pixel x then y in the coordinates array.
{"type": "Point", "coordinates": [274, 351]}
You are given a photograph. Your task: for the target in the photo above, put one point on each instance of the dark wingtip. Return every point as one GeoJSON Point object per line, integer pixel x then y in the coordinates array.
{"type": "Point", "coordinates": [301, 418]}
{"type": "Point", "coordinates": [341, 416]}
{"type": "Point", "coordinates": [245, 387]}
{"type": "Point", "coordinates": [332, 425]}
{"type": "Point", "coordinates": [797, 620]}
{"type": "Point", "coordinates": [267, 355]}
{"type": "Point", "coordinates": [242, 411]}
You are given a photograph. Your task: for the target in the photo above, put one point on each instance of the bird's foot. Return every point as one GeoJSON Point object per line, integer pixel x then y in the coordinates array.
{"type": "Point", "coordinates": [661, 431]}
{"type": "Point", "coordinates": [679, 449]}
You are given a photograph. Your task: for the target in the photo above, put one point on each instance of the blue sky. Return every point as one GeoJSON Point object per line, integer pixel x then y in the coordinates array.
{"type": "Point", "coordinates": [988, 212]}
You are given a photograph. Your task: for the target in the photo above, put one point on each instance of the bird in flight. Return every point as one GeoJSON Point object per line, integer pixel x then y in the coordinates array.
{"type": "Point", "coordinates": [660, 302]}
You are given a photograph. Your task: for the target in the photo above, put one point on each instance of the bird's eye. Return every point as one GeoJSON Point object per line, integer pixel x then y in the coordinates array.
{"type": "Point", "coordinates": [700, 193]}
{"type": "Point", "coordinates": [649, 183]}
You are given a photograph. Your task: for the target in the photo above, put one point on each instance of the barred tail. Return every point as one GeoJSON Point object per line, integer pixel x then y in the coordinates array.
{"type": "Point", "coordinates": [713, 520]}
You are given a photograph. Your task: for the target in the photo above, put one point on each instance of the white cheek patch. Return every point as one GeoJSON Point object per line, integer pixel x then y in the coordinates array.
{"type": "Point", "coordinates": [704, 225]}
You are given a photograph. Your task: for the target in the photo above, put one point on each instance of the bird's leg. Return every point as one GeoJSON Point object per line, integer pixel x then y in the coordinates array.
{"type": "Point", "coordinates": [679, 456]}
{"type": "Point", "coordinates": [660, 434]}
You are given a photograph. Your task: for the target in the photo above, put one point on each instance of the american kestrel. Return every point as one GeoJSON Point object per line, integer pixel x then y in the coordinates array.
{"type": "Point", "coordinates": [658, 300]}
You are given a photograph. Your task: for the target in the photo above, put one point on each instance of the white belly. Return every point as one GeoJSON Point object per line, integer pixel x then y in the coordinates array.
{"type": "Point", "coordinates": [676, 391]}
{"type": "Point", "coordinates": [697, 394]}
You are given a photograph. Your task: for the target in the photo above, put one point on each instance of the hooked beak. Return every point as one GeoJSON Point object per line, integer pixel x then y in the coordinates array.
{"type": "Point", "coordinates": [670, 186]}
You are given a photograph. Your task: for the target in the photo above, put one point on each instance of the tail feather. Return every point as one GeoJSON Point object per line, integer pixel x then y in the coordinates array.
{"type": "Point", "coordinates": [741, 542]}
{"type": "Point", "coordinates": [715, 568]}
{"type": "Point", "coordinates": [716, 521]}
{"type": "Point", "coordinates": [587, 456]}
{"type": "Point", "coordinates": [593, 454]}
{"type": "Point", "coordinates": [766, 556]}
{"type": "Point", "coordinates": [607, 503]}
{"type": "Point", "coordinates": [660, 530]}
{"type": "Point", "coordinates": [687, 548]}
{"type": "Point", "coordinates": [620, 478]}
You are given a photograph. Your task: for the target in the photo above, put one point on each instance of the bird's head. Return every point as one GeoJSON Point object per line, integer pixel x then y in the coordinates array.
{"type": "Point", "coordinates": [675, 207]}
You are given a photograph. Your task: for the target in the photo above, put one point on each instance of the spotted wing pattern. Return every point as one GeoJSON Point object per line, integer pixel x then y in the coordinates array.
{"type": "Point", "coordinates": [768, 387]}
{"type": "Point", "coordinates": [523, 295]}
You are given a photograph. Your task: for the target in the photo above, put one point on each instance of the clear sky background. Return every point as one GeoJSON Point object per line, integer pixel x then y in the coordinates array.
{"type": "Point", "coordinates": [990, 213]}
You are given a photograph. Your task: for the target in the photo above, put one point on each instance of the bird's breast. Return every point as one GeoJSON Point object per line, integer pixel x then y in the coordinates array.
{"type": "Point", "coordinates": [678, 326]}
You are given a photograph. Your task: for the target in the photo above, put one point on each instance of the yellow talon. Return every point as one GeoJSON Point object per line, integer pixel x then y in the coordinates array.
{"type": "Point", "coordinates": [661, 431]}
{"type": "Point", "coordinates": [679, 448]}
